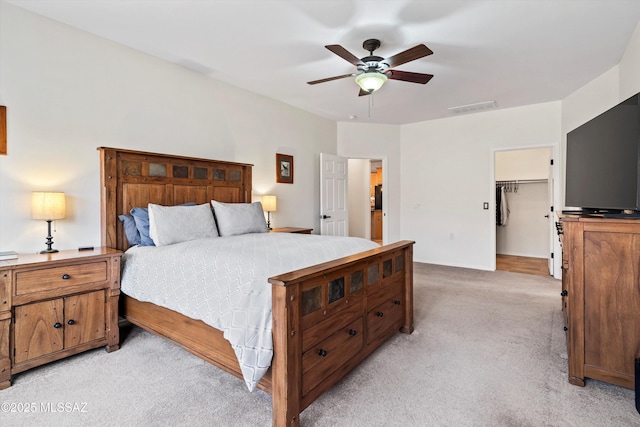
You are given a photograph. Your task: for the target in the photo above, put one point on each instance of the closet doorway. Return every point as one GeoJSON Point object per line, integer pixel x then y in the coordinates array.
{"type": "Point", "coordinates": [524, 216]}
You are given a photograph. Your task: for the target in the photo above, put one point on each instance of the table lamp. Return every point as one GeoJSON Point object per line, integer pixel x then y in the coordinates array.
{"type": "Point", "coordinates": [48, 206]}
{"type": "Point", "coordinates": [269, 205]}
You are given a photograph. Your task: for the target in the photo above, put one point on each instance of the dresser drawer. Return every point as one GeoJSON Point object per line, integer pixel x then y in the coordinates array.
{"type": "Point", "coordinates": [45, 279]}
{"type": "Point", "coordinates": [327, 356]}
{"type": "Point", "coordinates": [384, 317]}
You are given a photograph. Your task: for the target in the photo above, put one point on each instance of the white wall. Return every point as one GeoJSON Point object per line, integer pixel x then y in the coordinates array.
{"type": "Point", "coordinates": [522, 164]}
{"type": "Point", "coordinates": [602, 93]}
{"type": "Point", "coordinates": [378, 141]}
{"type": "Point", "coordinates": [68, 92]}
{"type": "Point", "coordinates": [527, 230]}
{"type": "Point", "coordinates": [447, 175]}
{"type": "Point", "coordinates": [359, 199]}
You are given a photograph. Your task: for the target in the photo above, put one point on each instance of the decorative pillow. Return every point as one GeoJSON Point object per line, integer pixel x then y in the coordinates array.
{"type": "Point", "coordinates": [141, 218]}
{"type": "Point", "coordinates": [239, 218]}
{"type": "Point", "coordinates": [130, 229]}
{"type": "Point", "coordinates": [175, 224]}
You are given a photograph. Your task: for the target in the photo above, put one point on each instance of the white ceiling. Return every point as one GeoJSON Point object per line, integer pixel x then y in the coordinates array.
{"type": "Point", "coordinates": [513, 52]}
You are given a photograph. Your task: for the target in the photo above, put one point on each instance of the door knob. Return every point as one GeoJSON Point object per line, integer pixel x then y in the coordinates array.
{"type": "Point", "coordinates": [325, 216]}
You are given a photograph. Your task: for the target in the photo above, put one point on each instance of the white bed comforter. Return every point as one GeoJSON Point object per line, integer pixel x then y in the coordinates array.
{"type": "Point", "coordinates": [223, 282]}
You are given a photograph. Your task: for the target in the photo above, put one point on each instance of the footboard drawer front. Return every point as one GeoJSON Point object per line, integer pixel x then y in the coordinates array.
{"type": "Point", "coordinates": [325, 357]}
{"type": "Point", "coordinates": [322, 330]}
{"type": "Point", "coordinates": [384, 318]}
{"type": "Point", "coordinates": [383, 294]}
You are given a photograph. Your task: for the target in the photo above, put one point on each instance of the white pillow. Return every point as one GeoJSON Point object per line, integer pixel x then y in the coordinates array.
{"type": "Point", "coordinates": [239, 218]}
{"type": "Point", "coordinates": [175, 224]}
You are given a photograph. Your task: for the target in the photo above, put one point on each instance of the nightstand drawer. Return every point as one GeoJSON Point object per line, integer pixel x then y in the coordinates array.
{"type": "Point", "coordinates": [59, 277]}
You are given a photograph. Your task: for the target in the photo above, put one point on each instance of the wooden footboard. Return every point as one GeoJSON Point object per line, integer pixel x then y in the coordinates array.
{"type": "Point", "coordinates": [329, 317]}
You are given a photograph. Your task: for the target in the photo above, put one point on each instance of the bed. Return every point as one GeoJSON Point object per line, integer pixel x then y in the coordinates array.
{"type": "Point", "coordinates": [325, 318]}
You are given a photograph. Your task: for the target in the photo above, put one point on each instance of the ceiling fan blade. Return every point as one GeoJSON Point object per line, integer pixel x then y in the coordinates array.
{"type": "Point", "coordinates": [408, 55]}
{"type": "Point", "coordinates": [328, 79]}
{"type": "Point", "coordinates": [408, 76]}
{"type": "Point", "coordinates": [344, 54]}
{"type": "Point", "coordinates": [363, 92]}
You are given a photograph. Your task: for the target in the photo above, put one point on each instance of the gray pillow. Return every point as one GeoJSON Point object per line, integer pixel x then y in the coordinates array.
{"type": "Point", "coordinates": [175, 224]}
{"type": "Point", "coordinates": [141, 218]}
{"type": "Point", "coordinates": [239, 218]}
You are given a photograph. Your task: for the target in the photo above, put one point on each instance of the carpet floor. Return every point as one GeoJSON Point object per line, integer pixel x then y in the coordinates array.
{"type": "Point", "coordinates": [488, 350]}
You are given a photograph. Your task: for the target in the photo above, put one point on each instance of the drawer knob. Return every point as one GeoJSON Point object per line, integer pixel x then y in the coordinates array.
{"type": "Point", "coordinates": [379, 314]}
{"type": "Point", "coordinates": [397, 302]}
{"type": "Point", "coordinates": [66, 277]}
{"type": "Point", "coordinates": [57, 325]}
{"type": "Point", "coordinates": [71, 322]}
{"type": "Point", "coordinates": [352, 332]}
{"type": "Point", "coordinates": [564, 293]}
{"type": "Point", "coordinates": [322, 353]}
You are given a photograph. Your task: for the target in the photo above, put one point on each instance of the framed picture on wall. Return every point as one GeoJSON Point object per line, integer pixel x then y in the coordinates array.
{"type": "Point", "coordinates": [284, 168]}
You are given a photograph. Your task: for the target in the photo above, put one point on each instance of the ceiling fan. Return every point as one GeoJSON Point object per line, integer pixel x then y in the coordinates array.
{"type": "Point", "coordinates": [373, 71]}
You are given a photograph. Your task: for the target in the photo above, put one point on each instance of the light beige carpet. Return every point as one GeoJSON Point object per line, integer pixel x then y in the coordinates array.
{"type": "Point", "coordinates": [488, 350]}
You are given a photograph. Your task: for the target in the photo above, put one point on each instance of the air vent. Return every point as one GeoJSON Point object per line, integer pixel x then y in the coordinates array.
{"type": "Point", "coordinates": [471, 108]}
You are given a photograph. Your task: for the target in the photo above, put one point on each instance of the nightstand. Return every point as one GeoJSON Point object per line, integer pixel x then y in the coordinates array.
{"type": "Point", "coordinates": [291, 230]}
{"type": "Point", "coordinates": [56, 305]}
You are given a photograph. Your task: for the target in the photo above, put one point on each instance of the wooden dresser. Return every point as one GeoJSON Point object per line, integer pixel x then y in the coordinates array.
{"type": "Point", "coordinates": [56, 305]}
{"type": "Point", "coordinates": [601, 298]}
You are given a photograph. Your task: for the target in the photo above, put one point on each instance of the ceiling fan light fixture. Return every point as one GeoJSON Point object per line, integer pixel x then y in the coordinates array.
{"type": "Point", "coordinates": [371, 81]}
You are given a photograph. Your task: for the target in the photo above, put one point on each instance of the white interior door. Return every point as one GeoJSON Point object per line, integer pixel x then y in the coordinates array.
{"type": "Point", "coordinates": [334, 213]}
{"type": "Point", "coordinates": [552, 225]}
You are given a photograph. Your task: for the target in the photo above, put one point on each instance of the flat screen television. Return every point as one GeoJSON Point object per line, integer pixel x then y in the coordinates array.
{"type": "Point", "coordinates": [602, 166]}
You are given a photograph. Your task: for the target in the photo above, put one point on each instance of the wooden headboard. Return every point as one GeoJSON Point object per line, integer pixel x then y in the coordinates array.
{"type": "Point", "coordinates": [131, 179]}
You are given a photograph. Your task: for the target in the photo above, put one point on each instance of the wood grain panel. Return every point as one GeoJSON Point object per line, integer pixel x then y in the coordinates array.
{"type": "Point", "coordinates": [190, 193]}
{"type": "Point", "coordinates": [5, 350]}
{"type": "Point", "coordinates": [84, 318]}
{"type": "Point", "coordinates": [612, 300]}
{"type": "Point", "coordinates": [35, 333]}
{"type": "Point", "coordinates": [226, 194]}
{"type": "Point", "coordinates": [139, 195]}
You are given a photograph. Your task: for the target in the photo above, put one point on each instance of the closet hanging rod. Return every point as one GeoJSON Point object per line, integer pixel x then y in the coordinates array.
{"type": "Point", "coordinates": [522, 181]}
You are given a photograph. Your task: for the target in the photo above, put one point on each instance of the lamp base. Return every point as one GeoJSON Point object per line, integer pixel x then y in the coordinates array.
{"type": "Point", "coordinates": [49, 241]}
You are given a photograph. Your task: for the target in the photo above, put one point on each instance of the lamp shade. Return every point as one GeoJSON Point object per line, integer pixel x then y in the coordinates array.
{"type": "Point", "coordinates": [269, 203]}
{"type": "Point", "coordinates": [371, 81]}
{"type": "Point", "coordinates": [47, 205]}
